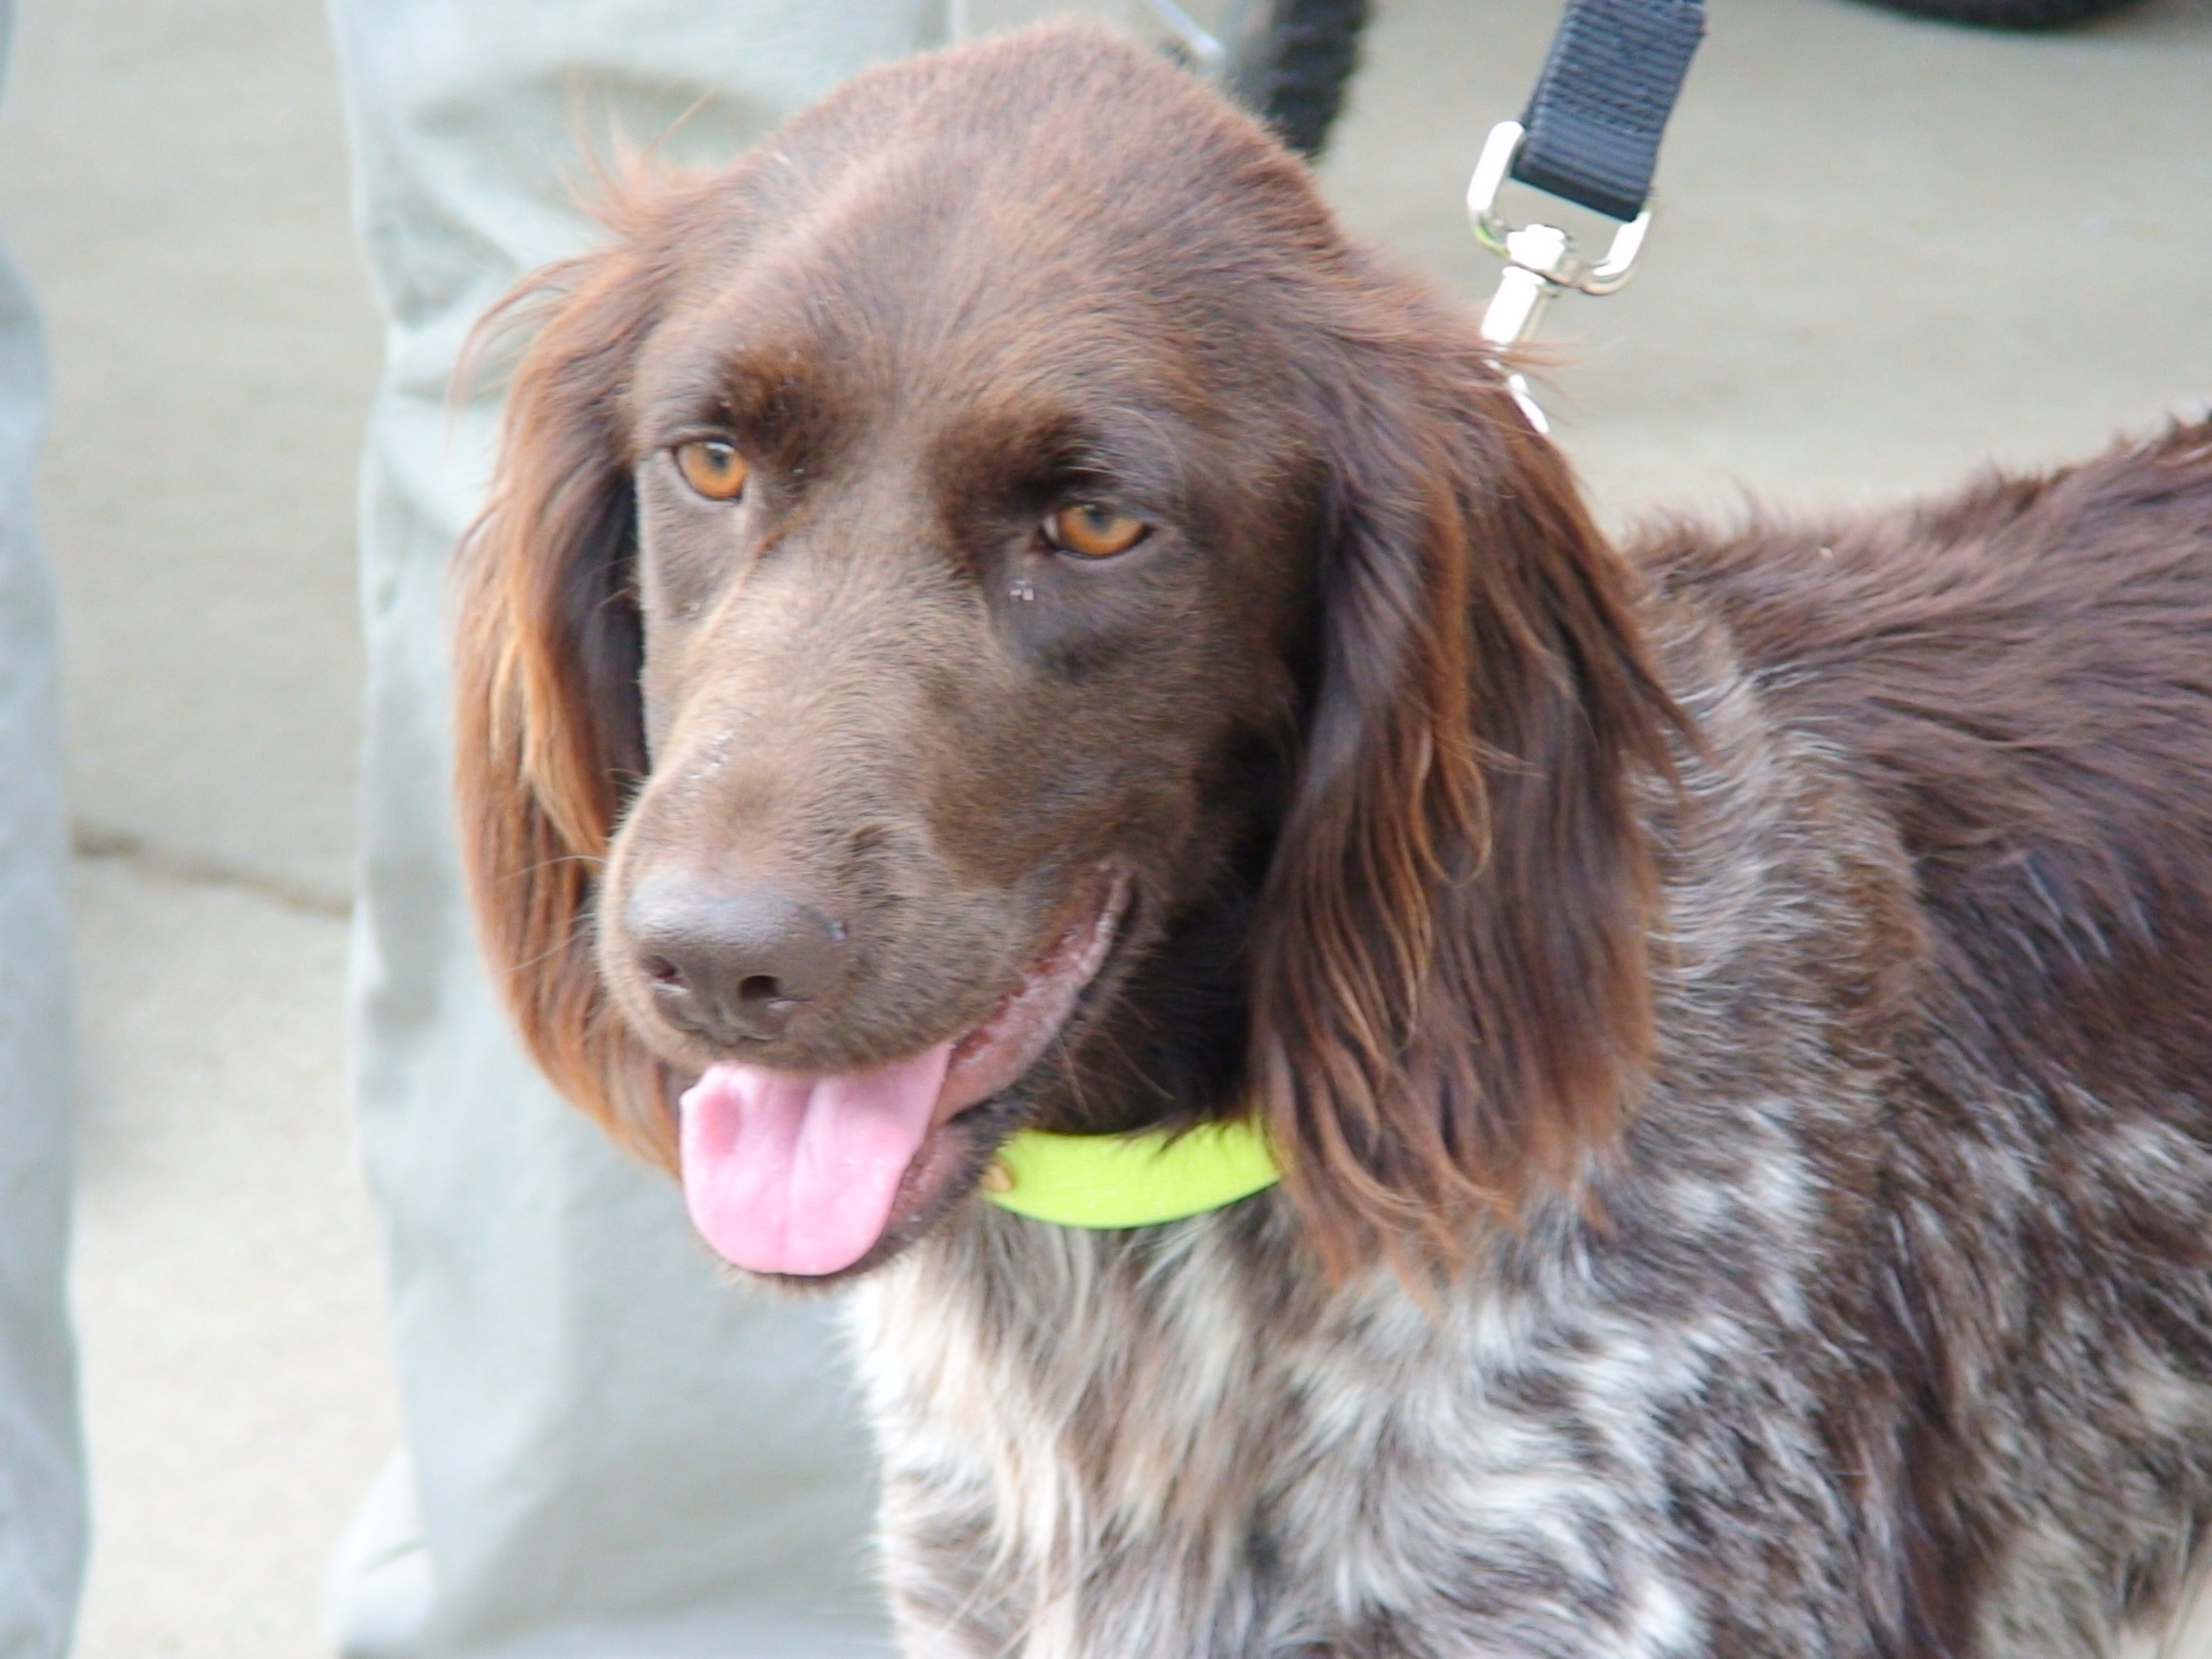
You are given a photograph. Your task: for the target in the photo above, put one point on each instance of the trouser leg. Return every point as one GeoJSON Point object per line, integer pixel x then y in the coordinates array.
{"type": "Point", "coordinates": [611, 1452]}
{"type": "Point", "coordinates": [41, 1465]}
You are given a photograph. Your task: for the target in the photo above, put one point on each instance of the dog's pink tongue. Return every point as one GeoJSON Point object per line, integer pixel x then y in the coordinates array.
{"type": "Point", "coordinates": [792, 1174]}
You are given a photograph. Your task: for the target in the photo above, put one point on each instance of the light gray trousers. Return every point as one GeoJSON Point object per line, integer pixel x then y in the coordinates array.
{"type": "Point", "coordinates": [41, 1473]}
{"type": "Point", "coordinates": [41, 1467]}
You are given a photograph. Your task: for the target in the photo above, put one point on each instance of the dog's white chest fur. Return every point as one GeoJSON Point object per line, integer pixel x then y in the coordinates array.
{"type": "Point", "coordinates": [1172, 1465]}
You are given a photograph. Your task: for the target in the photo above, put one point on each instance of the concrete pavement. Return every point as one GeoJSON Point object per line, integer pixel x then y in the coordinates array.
{"type": "Point", "coordinates": [1891, 251]}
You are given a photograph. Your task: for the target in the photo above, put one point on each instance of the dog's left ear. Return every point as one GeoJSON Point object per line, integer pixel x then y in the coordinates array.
{"type": "Point", "coordinates": [548, 730]}
{"type": "Point", "coordinates": [1451, 1000]}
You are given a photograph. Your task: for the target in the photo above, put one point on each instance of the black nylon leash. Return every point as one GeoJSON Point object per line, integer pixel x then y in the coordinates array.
{"type": "Point", "coordinates": [1594, 123]}
{"type": "Point", "coordinates": [1590, 136]}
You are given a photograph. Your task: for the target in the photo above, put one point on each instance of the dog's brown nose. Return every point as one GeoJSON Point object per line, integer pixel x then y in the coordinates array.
{"type": "Point", "coordinates": [730, 966]}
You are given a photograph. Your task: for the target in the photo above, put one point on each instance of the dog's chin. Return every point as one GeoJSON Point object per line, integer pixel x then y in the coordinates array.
{"type": "Point", "coordinates": [915, 1136]}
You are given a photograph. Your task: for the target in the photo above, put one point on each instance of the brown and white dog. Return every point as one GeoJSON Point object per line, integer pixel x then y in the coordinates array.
{"type": "Point", "coordinates": [995, 614]}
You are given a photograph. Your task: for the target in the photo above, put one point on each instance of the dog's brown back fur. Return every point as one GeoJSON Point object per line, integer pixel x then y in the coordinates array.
{"type": "Point", "coordinates": [2018, 677]}
{"type": "Point", "coordinates": [1758, 990]}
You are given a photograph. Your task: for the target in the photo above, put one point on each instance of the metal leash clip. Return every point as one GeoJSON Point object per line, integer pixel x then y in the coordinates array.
{"type": "Point", "coordinates": [1540, 259]}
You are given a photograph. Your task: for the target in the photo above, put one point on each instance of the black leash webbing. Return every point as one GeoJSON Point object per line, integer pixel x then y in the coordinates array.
{"type": "Point", "coordinates": [1601, 106]}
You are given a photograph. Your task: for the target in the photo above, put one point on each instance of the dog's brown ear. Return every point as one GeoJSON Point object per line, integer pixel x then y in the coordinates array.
{"type": "Point", "coordinates": [1451, 1000]}
{"type": "Point", "coordinates": [548, 728]}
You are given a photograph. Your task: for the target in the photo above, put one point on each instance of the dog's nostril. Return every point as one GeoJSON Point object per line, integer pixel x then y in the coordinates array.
{"type": "Point", "coordinates": [729, 965]}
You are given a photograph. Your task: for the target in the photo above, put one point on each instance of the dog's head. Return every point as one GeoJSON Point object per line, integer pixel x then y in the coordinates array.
{"type": "Point", "coordinates": [992, 612]}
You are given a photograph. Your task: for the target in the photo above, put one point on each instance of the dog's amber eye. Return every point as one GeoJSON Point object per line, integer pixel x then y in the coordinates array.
{"type": "Point", "coordinates": [1094, 531]}
{"type": "Point", "coordinates": [713, 468]}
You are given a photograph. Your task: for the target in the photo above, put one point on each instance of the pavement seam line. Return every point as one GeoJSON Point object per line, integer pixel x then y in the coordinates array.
{"type": "Point", "coordinates": [91, 841]}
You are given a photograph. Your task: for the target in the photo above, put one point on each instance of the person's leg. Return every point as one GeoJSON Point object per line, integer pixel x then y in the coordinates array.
{"type": "Point", "coordinates": [613, 1452]}
{"type": "Point", "coordinates": [41, 1461]}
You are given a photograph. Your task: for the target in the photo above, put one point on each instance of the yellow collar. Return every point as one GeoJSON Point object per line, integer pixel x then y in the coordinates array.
{"type": "Point", "coordinates": [1107, 1181]}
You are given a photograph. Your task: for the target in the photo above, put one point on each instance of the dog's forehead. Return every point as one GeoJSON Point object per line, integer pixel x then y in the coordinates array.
{"type": "Point", "coordinates": [877, 317]}
{"type": "Point", "coordinates": [935, 229]}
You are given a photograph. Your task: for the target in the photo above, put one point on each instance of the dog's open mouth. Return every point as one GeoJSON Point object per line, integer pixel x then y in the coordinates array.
{"type": "Point", "coordinates": [789, 1173]}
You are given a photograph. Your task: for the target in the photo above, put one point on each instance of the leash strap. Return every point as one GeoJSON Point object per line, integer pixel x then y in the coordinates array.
{"type": "Point", "coordinates": [1601, 106]}
{"type": "Point", "coordinates": [1590, 136]}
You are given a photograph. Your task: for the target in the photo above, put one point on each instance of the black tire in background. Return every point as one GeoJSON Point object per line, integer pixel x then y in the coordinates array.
{"type": "Point", "coordinates": [1291, 63]}
{"type": "Point", "coordinates": [2007, 13]}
